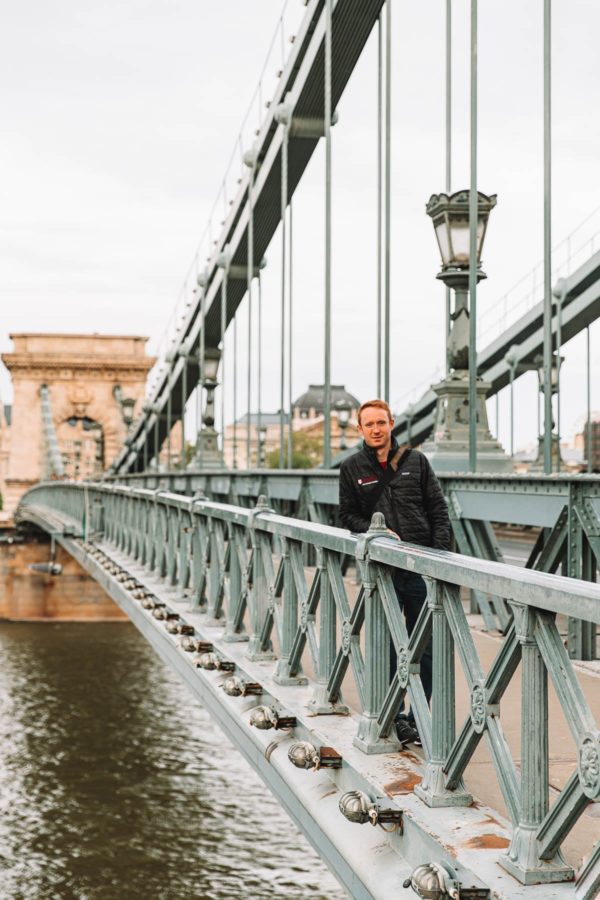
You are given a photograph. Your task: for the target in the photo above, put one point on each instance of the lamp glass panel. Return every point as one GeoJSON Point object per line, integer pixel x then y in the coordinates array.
{"type": "Point", "coordinates": [211, 367]}
{"type": "Point", "coordinates": [441, 233]}
{"type": "Point", "coordinates": [481, 226]}
{"type": "Point", "coordinates": [344, 416]}
{"type": "Point", "coordinates": [459, 229]}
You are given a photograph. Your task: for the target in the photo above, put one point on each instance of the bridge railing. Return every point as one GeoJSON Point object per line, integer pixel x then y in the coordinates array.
{"type": "Point", "coordinates": [565, 508]}
{"type": "Point", "coordinates": [246, 569]}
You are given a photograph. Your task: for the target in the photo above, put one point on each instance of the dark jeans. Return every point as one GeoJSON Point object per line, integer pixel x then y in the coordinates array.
{"type": "Point", "coordinates": [411, 592]}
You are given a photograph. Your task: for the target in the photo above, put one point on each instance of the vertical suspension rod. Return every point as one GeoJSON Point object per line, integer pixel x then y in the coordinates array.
{"type": "Point", "coordinates": [559, 305]}
{"type": "Point", "coordinates": [201, 356]}
{"type": "Point", "coordinates": [250, 276]}
{"type": "Point", "coordinates": [448, 153]}
{"type": "Point", "coordinates": [169, 421]}
{"type": "Point", "coordinates": [379, 190]}
{"type": "Point", "coordinates": [547, 244]}
{"type": "Point", "coordinates": [327, 349]}
{"type": "Point", "coordinates": [290, 338]}
{"type": "Point", "coordinates": [473, 249]}
{"type": "Point", "coordinates": [184, 373]}
{"type": "Point", "coordinates": [234, 447]}
{"type": "Point", "coordinates": [588, 423]}
{"type": "Point", "coordinates": [223, 327]}
{"type": "Point", "coordinates": [388, 199]}
{"type": "Point", "coordinates": [284, 193]}
{"type": "Point", "coordinates": [259, 373]}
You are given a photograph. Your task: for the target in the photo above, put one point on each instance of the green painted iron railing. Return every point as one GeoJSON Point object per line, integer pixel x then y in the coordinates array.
{"type": "Point", "coordinates": [247, 569]}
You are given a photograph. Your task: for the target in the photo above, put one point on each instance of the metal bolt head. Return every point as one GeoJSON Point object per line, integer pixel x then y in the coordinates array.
{"type": "Point", "coordinates": [434, 881]}
{"type": "Point", "coordinates": [207, 661]}
{"type": "Point", "coordinates": [233, 686]}
{"type": "Point", "coordinates": [303, 755]}
{"type": "Point", "coordinates": [263, 717]}
{"type": "Point", "coordinates": [160, 612]}
{"type": "Point", "coordinates": [356, 807]}
{"type": "Point", "coordinates": [172, 623]}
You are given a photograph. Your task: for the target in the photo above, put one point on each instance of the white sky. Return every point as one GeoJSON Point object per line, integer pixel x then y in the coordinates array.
{"type": "Point", "coordinates": [118, 119]}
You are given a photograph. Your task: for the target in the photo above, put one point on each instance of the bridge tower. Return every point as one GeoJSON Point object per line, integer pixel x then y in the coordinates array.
{"type": "Point", "coordinates": [68, 408]}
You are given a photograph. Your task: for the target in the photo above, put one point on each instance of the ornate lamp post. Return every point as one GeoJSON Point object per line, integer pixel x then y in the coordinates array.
{"type": "Point", "coordinates": [207, 450]}
{"type": "Point", "coordinates": [343, 410]}
{"type": "Point", "coordinates": [262, 442]}
{"type": "Point", "coordinates": [126, 405]}
{"type": "Point", "coordinates": [538, 464]}
{"type": "Point", "coordinates": [448, 449]}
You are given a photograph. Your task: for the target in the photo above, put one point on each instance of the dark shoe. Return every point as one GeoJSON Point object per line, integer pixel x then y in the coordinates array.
{"type": "Point", "coordinates": [407, 733]}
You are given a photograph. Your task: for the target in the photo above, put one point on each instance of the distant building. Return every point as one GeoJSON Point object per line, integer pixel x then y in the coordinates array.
{"type": "Point", "coordinates": [591, 448]}
{"type": "Point", "coordinates": [307, 416]}
{"type": "Point", "coordinates": [310, 404]}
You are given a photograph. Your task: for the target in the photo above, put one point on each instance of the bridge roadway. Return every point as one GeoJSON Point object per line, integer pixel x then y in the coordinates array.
{"type": "Point", "coordinates": [216, 588]}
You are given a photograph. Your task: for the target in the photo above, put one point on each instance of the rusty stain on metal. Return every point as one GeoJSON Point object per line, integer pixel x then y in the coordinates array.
{"type": "Point", "coordinates": [487, 842]}
{"type": "Point", "coordinates": [403, 785]}
{"type": "Point", "coordinates": [407, 754]}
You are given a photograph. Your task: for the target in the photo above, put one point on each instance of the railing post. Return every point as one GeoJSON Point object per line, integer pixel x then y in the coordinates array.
{"type": "Point", "coordinates": [320, 703]}
{"type": "Point", "coordinates": [433, 790]}
{"type": "Point", "coordinates": [523, 857]}
{"type": "Point", "coordinates": [258, 595]}
{"type": "Point", "coordinates": [215, 574]}
{"type": "Point", "coordinates": [581, 636]}
{"type": "Point", "coordinates": [377, 649]}
{"type": "Point", "coordinates": [185, 551]}
{"type": "Point", "coordinates": [198, 552]}
{"type": "Point", "coordinates": [98, 517]}
{"type": "Point", "coordinates": [290, 620]}
{"type": "Point", "coordinates": [234, 629]}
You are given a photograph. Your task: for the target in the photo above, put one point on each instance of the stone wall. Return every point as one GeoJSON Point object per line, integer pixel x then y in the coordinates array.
{"type": "Point", "coordinates": [72, 596]}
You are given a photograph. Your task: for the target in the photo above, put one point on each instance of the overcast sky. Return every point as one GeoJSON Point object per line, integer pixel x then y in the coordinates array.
{"type": "Point", "coordinates": [118, 119]}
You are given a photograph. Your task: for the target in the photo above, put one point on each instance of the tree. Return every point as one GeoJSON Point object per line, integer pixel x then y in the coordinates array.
{"type": "Point", "coordinates": [307, 452]}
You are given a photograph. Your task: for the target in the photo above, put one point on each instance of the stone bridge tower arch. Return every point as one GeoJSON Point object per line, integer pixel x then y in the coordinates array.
{"type": "Point", "coordinates": [81, 373]}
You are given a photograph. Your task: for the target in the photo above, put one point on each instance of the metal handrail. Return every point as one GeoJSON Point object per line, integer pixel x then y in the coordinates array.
{"type": "Point", "coordinates": [246, 568]}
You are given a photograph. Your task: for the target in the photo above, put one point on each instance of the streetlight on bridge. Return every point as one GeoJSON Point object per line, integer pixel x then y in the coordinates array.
{"type": "Point", "coordinates": [343, 410]}
{"type": "Point", "coordinates": [448, 448]}
{"type": "Point", "coordinates": [555, 366]}
{"type": "Point", "coordinates": [207, 450]}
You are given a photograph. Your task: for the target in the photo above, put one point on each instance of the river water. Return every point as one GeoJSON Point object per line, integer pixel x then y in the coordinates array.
{"type": "Point", "coordinates": [116, 785]}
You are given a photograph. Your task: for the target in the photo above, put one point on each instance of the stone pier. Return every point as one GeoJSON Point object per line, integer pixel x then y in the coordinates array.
{"type": "Point", "coordinates": [26, 595]}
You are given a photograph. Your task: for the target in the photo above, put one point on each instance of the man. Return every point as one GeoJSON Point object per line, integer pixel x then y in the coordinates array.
{"type": "Point", "coordinates": [414, 509]}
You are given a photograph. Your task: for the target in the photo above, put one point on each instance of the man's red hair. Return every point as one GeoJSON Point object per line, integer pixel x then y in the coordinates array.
{"type": "Point", "coordinates": [379, 404]}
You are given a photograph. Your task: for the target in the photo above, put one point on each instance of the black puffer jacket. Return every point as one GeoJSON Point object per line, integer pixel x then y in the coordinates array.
{"type": "Point", "coordinates": [412, 503]}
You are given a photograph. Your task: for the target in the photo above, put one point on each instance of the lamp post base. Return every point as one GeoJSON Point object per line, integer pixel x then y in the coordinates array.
{"type": "Point", "coordinates": [207, 455]}
{"type": "Point", "coordinates": [538, 463]}
{"type": "Point", "coordinates": [448, 448]}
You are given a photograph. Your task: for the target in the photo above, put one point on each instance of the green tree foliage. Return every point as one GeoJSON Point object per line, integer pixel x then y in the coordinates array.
{"type": "Point", "coordinates": [307, 452]}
